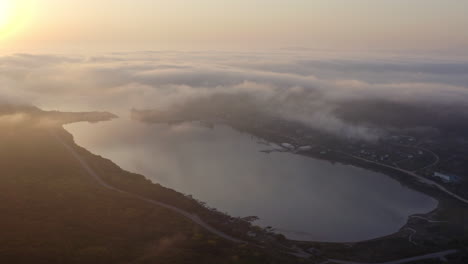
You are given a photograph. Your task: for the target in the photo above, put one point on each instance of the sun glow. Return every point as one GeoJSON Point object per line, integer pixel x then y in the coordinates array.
{"type": "Point", "coordinates": [12, 13]}
{"type": "Point", "coordinates": [5, 13]}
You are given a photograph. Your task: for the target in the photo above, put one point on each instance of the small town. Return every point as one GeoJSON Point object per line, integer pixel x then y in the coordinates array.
{"type": "Point", "coordinates": [431, 158]}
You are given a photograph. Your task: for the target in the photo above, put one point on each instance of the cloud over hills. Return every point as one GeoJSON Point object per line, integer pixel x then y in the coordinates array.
{"type": "Point", "coordinates": [323, 93]}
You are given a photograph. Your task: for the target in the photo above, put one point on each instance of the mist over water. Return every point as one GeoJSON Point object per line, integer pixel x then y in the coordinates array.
{"type": "Point", "coordinates": [304, 198]}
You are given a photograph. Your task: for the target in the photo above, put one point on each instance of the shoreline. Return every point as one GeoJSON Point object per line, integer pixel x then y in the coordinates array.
{"type": "Point", "coordinates": [425, 237]}
{"type": "Point", "coordinates": [392, 233]}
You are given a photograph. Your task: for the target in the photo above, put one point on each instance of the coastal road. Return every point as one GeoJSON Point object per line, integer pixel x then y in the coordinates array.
{"type": "Point", "coordinates": [410, 173]}
{"type": "Point", "coordinates": [195, 219]}
{"type": "Point", "coordinates": [427, 219]}
{"type": "Point", "coordinates": [438, 255]}
{"type": "Point", "coordinates": [192, 217]}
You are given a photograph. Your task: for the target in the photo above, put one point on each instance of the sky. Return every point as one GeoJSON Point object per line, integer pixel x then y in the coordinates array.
{"type": "Point", "coordinates": [305, 60]}
{"type": "Point", "coordinates": [111, 25]}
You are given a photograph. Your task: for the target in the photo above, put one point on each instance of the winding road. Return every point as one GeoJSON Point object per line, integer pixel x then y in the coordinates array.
{"type": "Point", "coordinates": [427, 219]}
{"type": "Point", "coordinates": [410, 173]}
{"type": "Point", "coordinates": [413, 233]}
{"type": "Point", "coordinates": [195, 219]}
{"type": "Point", "coordinates": [192, 217]}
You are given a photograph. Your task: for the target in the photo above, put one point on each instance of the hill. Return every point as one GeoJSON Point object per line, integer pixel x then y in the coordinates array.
{"type": "Point", "coordinates": [53, 211]}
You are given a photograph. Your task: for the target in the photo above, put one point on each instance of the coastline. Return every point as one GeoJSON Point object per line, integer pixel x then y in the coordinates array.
{"type": "Point", "coordinates": [400, 242]}
{"type": "Point", "coordinates": [360, 167]}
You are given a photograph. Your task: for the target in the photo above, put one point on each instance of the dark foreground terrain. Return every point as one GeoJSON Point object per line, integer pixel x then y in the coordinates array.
{"type": "Point", "coordinates": [61, 204]}
{"type": "Point", "coordinates": [53, 211]}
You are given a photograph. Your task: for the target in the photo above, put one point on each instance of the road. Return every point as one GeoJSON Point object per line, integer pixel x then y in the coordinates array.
{"type": "Point", "coordinates": [410, 237]}
{"type": "Point", "coordinates": [436, 161]}
{"type": "Point", "coordinates": [192, 217]}
{"type": "Point", "coordinates": [195, 219]}
{"type": "Point", "coordinates": [438, 255]}
{"type": "Point", "coordinates": [427, 219]}
{"type": "Point", "coordinates": [436, 157]}
{"type": "Point", "coordinates": [410, 173]}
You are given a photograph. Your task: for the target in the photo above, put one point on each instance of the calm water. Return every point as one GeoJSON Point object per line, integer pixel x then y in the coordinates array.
{"type": "Point", "coordinates": [303, 198]}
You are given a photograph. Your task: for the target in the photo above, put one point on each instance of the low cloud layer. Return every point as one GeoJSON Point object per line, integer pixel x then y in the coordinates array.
{"type": "Point", "coordinates": [318, 92]}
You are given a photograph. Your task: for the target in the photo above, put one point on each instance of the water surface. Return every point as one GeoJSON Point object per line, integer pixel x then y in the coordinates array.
{"type": "Point", "coordinates": [304, 198]}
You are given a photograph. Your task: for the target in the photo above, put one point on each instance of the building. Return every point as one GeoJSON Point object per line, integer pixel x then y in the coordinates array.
{"type": "Point", "coordinates": [447, 178]}
{"type": "Point", "coordinates": [304, 148]}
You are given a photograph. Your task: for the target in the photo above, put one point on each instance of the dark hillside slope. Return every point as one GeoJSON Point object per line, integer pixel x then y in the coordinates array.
{"type": "Point", "coordinates": [52, 211]}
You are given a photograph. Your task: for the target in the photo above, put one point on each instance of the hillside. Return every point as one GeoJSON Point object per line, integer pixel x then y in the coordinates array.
{"type": "Point", "coordinates": [53, 211]}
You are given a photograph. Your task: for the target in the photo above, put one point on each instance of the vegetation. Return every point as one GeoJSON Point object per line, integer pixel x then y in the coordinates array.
{"type": "Point", "coordinates": [54, 212]}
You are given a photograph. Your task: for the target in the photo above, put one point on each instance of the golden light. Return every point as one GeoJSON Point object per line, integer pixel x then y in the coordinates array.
{"type": "Point", "coordinates": [12, 13]}
{"type": "Point", "coordinates": [5, 13]}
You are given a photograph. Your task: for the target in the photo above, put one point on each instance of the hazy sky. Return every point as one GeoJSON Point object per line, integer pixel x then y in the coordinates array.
{"type": "Point", "coordinates": [231, 24]}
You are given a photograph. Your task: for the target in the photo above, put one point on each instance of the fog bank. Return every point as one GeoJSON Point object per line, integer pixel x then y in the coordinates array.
{"type": "Point", "coordinates": [325, 93]}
